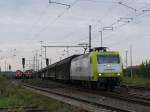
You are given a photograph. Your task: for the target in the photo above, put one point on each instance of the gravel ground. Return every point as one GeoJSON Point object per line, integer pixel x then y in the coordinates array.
{"type": "Point", "coordinates": [98, 98]}
{"type": "Point", "coordinates": [83, 105]}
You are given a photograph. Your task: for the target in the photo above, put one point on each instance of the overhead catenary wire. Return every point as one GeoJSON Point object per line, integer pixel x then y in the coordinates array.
{"type": "Point", "coordinates": [39, 18]}
{"type": "Point", "coordinates": [109, 10]}
{"type": "Point", "coordinates": [121, 3]}
{"type": "Point", "coordinates": [137, 10]}
{"type": "Point", "coordinates": [54, 20]}
{"type": "Point", "coordinates": [125, 39]}
{"type": "Point", "coordinates": [129, 39]}
{"type": "Point", "coordinates": [96, 22]}
{"type": "Point", "coordinates": [102, 19]}
{"type": "Point", "coordinates": [123, 24]}
{"type": "Point", "coordinates": [108, 1]}
{"type": "Point", "coordinates": [112, 24]}
{"type": "Point", "coordinates": [62, 14]}
{"type": "Point", "coordinates": [126, 23]}
{"type": "Point", "coordinates": [106, 14]}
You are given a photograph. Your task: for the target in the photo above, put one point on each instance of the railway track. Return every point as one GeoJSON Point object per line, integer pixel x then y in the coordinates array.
{"type": "Point", "coordinates": [24, 109]}
{"type": "Point", "coordinates": [130, 96]}
{"type": "Point", "coordinates": [142, 96]}
{"type": "Point", "coordinates": [79, 99]}
{"type": "Point", "coordinates": [139, 92]}
{"type": "Point", "coordinates": [133, 98]}
{"type": "Point", "coordinates": [140, 88]}
{"type": "Point", "coordinates": [96, 103]}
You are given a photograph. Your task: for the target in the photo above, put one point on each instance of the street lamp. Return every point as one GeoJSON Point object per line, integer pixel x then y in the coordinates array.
{"type": "Point", "coordinates": [41, 53]}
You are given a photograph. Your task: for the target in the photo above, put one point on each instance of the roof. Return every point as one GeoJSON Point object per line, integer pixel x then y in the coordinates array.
{"type": "Point", "coordinates": [59, 62]}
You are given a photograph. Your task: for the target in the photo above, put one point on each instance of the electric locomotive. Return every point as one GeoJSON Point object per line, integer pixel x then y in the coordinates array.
{"type": "Point", "coordinates": [104, 68]}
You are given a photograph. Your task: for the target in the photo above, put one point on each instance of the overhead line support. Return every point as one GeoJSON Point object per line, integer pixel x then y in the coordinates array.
{"type": "Point", "coordinates": [83, 46]}
{"type": "Point", "coordinates": [127, 6]}
{"type": "Point", "coordinates": [60, 3]}
{"type": "Point", "coordinates": [108, 28]}
{"type": "Point", "coordinates": [64, 46]}
{"type": "Point", "coordinates": [125, 20]}
{"type": "Point", "coordinates": [145, 10]}
{"type": "Point", "coordinates": [90, 37]}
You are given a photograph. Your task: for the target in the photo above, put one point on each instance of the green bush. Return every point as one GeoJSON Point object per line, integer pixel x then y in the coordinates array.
{"type": "Point", "coordinates": [145, 69]}
{"type": "Point", "coordinates": [136, 81]}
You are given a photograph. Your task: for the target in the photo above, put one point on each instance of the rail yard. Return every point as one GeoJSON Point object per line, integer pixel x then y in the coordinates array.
{"type": "Point", "coordinates": [92, 100]}
{"type": "Point", "coordinates": [91, 81]}
{"type": "Point", "coordinates": [74, 56]}
{"type": "Point", "coordinates": [97, 94]}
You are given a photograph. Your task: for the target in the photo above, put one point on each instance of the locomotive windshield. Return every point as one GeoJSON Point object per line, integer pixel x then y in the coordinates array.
{"type": "Point", "coordinates": [102, 59]}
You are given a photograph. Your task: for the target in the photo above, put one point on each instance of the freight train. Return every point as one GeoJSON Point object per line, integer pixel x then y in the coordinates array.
{"type": "Point", "coordinates": [96, 68]}
{"type": "Point", "coordinates": [19, 74]}
{"type": "Point", "coordinates": [27, 74]}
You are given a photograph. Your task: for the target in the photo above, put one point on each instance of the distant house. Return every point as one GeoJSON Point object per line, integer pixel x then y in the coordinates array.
{"type": "Point", "coordinates": [135, 69]}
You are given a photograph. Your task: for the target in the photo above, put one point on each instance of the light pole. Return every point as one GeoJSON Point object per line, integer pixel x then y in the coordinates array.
{"type": "Point", "coordinates": [5, 66]}
{"type": "Point", "coordinates": [126, 58]}
{"type": "Point", "coordinates": [101, 38]}
{"type": "Point", "coordinates": [36, 60]}
{"type": "Point", "coordinates": [90, 31]}
{"type": "Point", "coordinates": [41, 53]}
{"type": "Point", "coordinates": [101, 33]}
{"type": "Point", "coordinates": [131, 61]}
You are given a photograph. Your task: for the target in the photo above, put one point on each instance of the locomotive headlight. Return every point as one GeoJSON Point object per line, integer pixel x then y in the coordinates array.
{"type": "Point", "coordinates": [108, 65]}
{"type": "Point", "coordinates": [100, 74]}
{"type": "Point", "coordinates": [118, 74]}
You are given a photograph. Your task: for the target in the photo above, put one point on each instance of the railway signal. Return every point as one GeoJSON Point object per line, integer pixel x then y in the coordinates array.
{"type": "Point", "coordinates": [23, 63]}
{"type": "Point", "coordinates": [9, 67]}
{"type": "Point", "coordinates": [47, 61]}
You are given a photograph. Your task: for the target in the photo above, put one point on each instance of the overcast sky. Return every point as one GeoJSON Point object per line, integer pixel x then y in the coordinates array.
{"type": "Point", "coordinates": [24, 23]}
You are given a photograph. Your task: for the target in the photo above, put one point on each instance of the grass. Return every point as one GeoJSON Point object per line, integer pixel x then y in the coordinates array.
{"type": "Point", "coordinates": [12, 96]}
{"type": "Point", "coordinates": [136, 81]}
{"type": "Point", "coordinates": [44, 83]}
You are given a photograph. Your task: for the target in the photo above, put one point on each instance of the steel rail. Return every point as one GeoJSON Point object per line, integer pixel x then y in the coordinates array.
{"type": "Point", "coordinates": [140, 88]}
{"type": "Point", "coordinates": [78, 99]}
{"type": "Point", "coordinates": [124, 97]}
